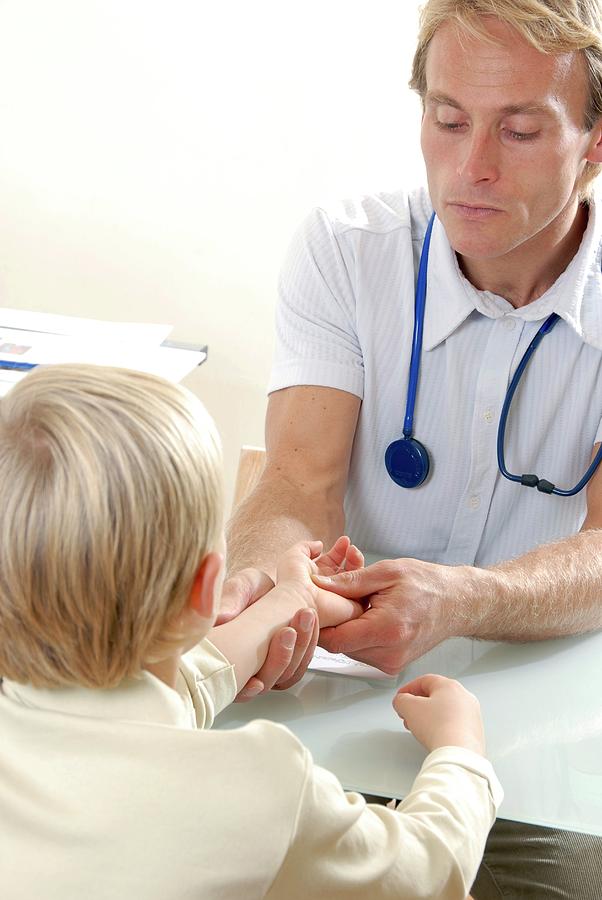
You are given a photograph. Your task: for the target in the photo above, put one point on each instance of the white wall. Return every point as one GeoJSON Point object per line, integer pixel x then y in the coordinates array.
{"type": "Point", "coordinates": [156, 155]}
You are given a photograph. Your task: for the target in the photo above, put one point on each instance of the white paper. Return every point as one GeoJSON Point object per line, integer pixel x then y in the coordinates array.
{"type": "Point", "coordinates": [74, 326]}
{"type": "Point", "coordinates": [339, 664]}
{"type": "Point", "coordinates": [111, 345]}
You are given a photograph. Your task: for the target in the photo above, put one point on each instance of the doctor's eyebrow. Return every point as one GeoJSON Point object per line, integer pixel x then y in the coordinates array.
{"type": "Point", "coordinates": [532, 108]}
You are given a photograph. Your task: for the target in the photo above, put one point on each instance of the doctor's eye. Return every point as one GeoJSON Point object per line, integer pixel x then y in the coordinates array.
{"type": "Point", "coordinates": [521, 135]}
{"type": "Point", "coordinates": [449, 126]}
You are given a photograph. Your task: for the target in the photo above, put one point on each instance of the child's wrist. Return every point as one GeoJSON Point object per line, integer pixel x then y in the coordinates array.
{"type": "Point", "coordinates": [293, 591]}
{"type": "Point", "coordinates": [283, 602]}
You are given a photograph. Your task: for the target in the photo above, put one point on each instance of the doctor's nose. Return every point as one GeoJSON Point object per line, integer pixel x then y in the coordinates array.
{"type": "Point", "coordinates": [478, 161]}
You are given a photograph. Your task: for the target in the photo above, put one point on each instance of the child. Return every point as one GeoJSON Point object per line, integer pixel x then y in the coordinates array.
{"type": "Point", "coordinates": [111, 786]}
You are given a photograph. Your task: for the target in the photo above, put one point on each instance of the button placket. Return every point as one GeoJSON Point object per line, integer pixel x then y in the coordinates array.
{"type": "Point", "coordinates": [492, 380]}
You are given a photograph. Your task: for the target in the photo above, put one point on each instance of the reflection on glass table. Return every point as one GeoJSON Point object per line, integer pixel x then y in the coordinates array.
{"type": "Point", "coordinates": [542, 707]}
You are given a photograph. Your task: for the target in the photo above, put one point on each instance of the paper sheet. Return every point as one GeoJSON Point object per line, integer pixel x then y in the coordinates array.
{"type": "Point", "coordinates": [339, 664]}
{"type": "Point", "coordinates": [74, 326]}
{"type": "Point", "coordinates": [46, 339]}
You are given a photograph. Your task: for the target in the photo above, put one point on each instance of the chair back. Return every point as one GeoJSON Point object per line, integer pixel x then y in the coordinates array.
{"type": "Point", "coordinates": [250, 466]}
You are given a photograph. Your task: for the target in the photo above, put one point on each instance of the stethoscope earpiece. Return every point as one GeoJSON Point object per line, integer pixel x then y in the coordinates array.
{"type": "Point", "coordinates": [407, 462]}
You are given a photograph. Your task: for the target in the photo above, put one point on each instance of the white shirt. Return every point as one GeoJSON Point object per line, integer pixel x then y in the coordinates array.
{"type": "Point", "coordinates": [120, 794]}
{"type": "Point", "coordinates": [345, 320]}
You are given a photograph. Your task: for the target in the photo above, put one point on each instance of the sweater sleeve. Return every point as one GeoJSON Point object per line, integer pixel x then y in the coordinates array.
{"type": "Point", "coordinates": [430, 846]}
{"type": "Point", "coordinates": [210, 680]}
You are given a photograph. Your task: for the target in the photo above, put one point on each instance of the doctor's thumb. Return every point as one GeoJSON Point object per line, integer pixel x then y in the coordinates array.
{"type": "Point", "coordinates": [360, 583]}
{"type": "Point", "coordinates": [354, 584]}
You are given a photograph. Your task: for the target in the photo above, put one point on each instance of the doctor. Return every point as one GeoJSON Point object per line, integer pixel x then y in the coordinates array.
{"type": "Point", "coordinates": [512, 141]}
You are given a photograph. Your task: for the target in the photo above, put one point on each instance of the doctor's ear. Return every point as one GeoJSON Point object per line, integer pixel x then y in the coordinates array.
{"type": "Point", "coordinates": [203, 598]}
{"type": "Point", "coordinates": [594, 153]}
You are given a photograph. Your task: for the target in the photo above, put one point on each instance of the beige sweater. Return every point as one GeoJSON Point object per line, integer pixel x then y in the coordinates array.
{"type": "Point", "coordinates": [125, 795]}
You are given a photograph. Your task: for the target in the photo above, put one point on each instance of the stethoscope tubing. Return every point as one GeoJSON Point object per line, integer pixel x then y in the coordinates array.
{"type": "Point", "coordinates": [541, 484]}
{"type": "Point", "coordinates": [419, 311]}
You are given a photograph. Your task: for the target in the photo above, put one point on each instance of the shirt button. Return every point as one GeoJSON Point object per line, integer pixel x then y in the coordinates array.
{"type": "Point", "coordinates": [509, 323]}
{"type": "Point", "coordinates": [475, 501]}
{"type": "Point", "coordinates": [488, 415]}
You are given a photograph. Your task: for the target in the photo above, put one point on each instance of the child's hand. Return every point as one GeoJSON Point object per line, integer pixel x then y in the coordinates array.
{"type": "Point", "coordinates": [296, 566]}
{"type": "Point", "coordinates": [440, 713]}
{"type": "Point", "coordinates": [342, 556]}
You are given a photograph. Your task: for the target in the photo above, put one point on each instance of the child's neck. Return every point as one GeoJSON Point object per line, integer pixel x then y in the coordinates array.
{"type": "Point", "coordinates": [166, 670]}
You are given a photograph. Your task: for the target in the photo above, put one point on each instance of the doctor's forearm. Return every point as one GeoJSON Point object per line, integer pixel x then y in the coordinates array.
{"type": "Point", "coordinates": [272, 519]}
{"type": "Point", "coordinates": [551, 591]}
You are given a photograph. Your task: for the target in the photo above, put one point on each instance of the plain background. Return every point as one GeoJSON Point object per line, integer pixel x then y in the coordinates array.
{"type": "Point", "coordinates": [157, 155]}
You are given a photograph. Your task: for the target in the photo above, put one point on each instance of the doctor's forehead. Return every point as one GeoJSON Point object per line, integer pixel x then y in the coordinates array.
{"type": "Point", "coordinates": [503, 71]}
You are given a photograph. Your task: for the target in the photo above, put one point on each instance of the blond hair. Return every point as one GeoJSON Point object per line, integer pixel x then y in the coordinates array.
{"type": "Point", "coordinates": [551, 26]}
{"type": "Point", "coordinates": [110, 489]}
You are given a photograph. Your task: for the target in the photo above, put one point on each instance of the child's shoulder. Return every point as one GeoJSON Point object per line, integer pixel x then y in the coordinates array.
{"type": "Point", "coordinates": [274, 747]}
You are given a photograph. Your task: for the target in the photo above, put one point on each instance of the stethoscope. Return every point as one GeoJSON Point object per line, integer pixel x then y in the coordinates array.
{"type": "Point", "coordinates": [407, 460]}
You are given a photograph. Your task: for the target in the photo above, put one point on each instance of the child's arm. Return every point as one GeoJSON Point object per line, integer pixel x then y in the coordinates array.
{"type": "Point", "coordinates": [431, 845]}
{"type": "Point", "coordinates": [245, 639]}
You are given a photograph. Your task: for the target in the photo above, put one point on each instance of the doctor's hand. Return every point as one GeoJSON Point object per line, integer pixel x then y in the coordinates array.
{"type": "Point", "coordinates": [414, 606]}
{"type": "Point", "coordinates": [282, 672]}
{"type": "Point", "coordinates": [241, 590]}
{"type": "Point", "coordinates": [291, 648]}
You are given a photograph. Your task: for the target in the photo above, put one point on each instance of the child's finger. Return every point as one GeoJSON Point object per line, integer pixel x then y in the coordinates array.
{"type": "Point", "coordinates": [423, 686]}
{"type": "Point", "coordinates": [354, 558]}
{"type": "Point", "coordinates": [334, 610]}
{"type": "Point", "coordinates": [335, 557]}
{"type": "Point", "coordinates": [406, 704]}
{"type": "Point", "coordinates": [314, 548]}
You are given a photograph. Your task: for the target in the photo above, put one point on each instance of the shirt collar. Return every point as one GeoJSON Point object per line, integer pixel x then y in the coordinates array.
{"type": "Point", "coordinates": [142, 699]}
{"type": "Point", "coordinates": [576, 296]}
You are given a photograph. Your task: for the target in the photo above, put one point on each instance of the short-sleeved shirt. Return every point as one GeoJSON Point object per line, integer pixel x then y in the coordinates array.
{"type": "Point", "coordinates": [345, 320]}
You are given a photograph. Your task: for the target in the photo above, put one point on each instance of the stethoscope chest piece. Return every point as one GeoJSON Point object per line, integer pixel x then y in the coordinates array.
{"type": "Point", "coordinates": [407, 462]}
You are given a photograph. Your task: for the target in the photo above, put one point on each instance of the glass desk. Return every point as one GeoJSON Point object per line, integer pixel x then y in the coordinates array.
{"type": "Point", "coordinates": [542, 707]}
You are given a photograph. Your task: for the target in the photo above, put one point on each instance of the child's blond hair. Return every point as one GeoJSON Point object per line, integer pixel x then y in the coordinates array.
{"type": "Point", "coordinates": [110, 491]}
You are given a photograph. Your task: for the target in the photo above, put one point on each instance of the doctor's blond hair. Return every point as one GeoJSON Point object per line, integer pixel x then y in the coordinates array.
{"type": "Point", "coordinates": [551, 26]}
{"type": "Point", "coordinates": [110, 490]}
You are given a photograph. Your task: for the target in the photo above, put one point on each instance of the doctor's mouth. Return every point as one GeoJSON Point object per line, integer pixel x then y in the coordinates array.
{"type": "Point", "coordinates": [471, 211]}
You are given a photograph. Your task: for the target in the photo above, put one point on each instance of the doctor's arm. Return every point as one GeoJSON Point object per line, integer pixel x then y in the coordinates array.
{"type": "Point", "coordinates": [552, 591]}
{"type": "Point", "coordinates": [309, 435]}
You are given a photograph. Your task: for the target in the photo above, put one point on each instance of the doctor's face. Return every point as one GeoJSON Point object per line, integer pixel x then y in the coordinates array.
{"type": "Point", "coordinates": [503, 139]}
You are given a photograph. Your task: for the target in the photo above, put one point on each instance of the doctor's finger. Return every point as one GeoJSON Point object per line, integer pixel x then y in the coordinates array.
{"type": "Point", "coordinates": [358, 583]}
{"type": "Point", "coordinates": [280, 654]}
{"type": "Point", "coordinates": [241, 590]}
{"type": "Point", "coordinates": [356, 635]}
{"type": "Point", "coordinates": [308, 630]}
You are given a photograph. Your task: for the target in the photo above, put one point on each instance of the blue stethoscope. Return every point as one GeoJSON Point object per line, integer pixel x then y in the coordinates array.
{"type": "Point", "coordinates": [407, 460]}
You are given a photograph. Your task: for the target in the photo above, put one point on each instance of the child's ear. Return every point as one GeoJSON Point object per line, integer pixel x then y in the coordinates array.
{"type": "Point", "coordinates": [204, 597]}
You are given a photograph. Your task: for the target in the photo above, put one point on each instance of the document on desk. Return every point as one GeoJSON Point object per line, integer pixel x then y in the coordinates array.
{"type": "Point", "coordinates": [29, 339]}
{"type": "Point", "coordinates": [339, 664]}
{"type": "Point", "coordinates": [143, 334]}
